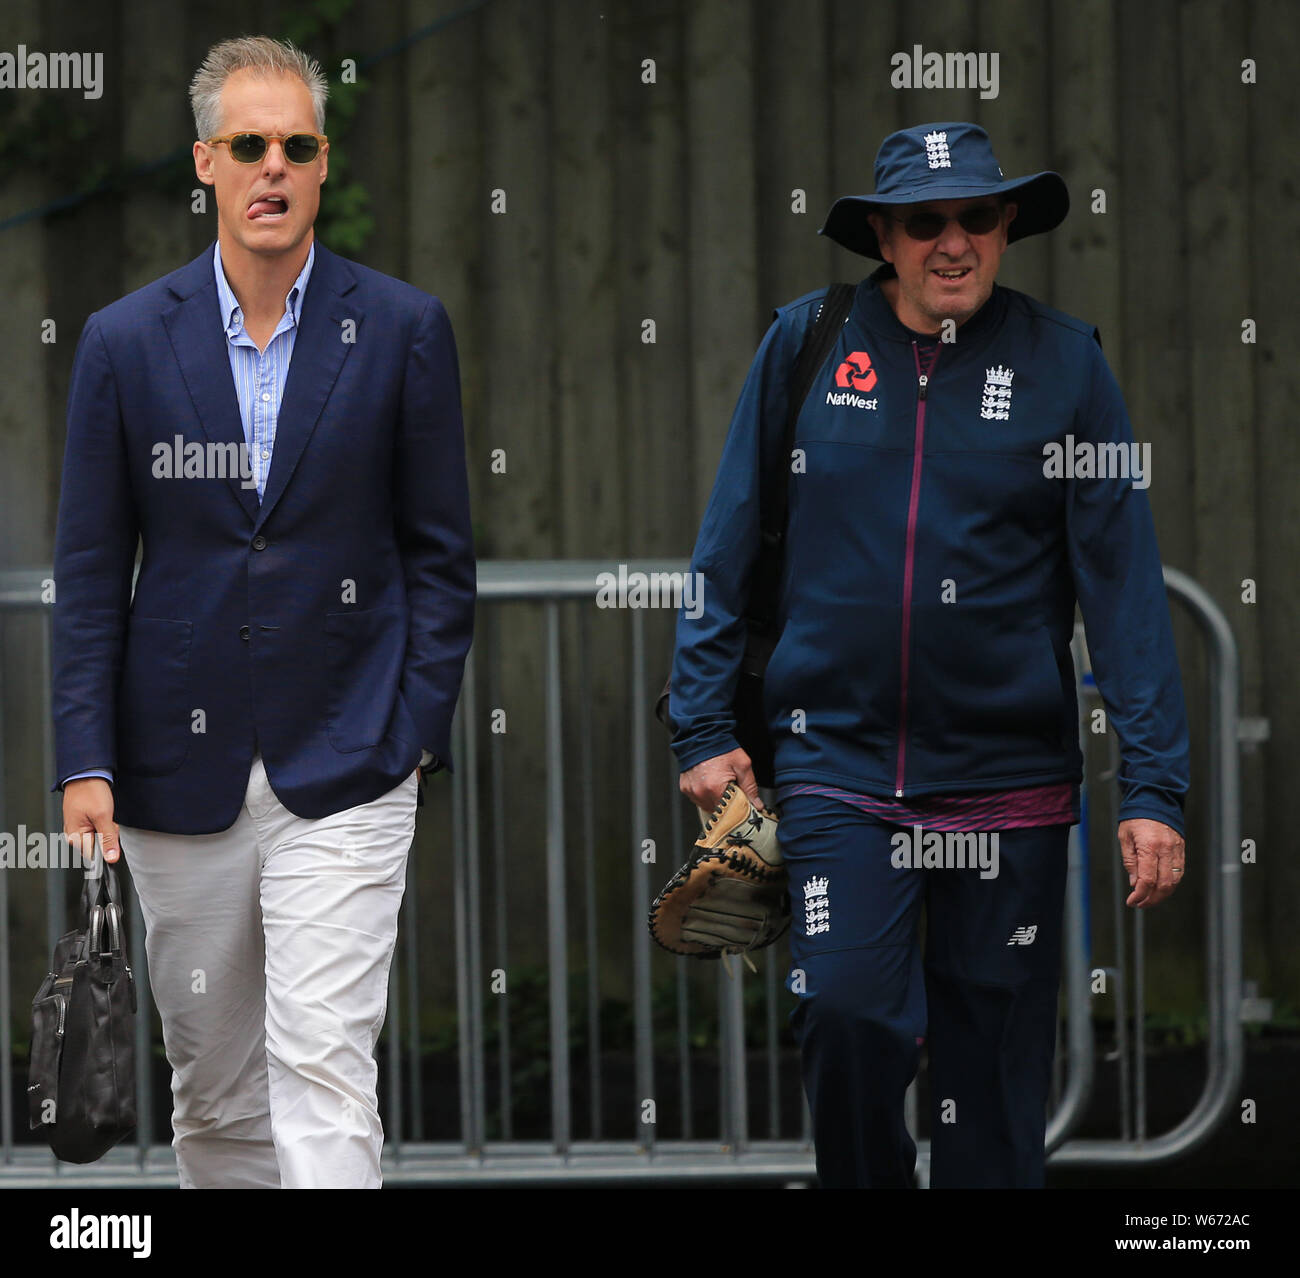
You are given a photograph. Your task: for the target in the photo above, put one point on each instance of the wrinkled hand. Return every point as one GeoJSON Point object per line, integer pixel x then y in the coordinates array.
{"type": "Point", "coordinates": [704, 783]}
{"type": "Point", "coordinates": [87, 811]}
{"type": "Point", "coordinates": [1153, 854]}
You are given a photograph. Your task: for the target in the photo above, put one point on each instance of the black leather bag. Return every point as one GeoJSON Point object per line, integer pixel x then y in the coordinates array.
{"type": "Point", "coordinates": [762, 629]}
{"type": "Point", "coordinates": [81, 1072]}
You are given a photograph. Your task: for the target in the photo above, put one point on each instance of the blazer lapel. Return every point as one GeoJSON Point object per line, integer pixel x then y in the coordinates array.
{"type": "Point", "coordinates": [198, 341]}
{"type": "Point", "coordinates": [319, 349]}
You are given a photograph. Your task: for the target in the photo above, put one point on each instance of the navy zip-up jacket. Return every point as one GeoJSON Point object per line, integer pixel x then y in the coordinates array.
{"type": "Point", "coordinates": [933, 562]}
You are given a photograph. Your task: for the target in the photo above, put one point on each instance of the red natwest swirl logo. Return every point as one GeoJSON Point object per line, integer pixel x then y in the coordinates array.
{"type": "Point", "coordinates": [856, 372]}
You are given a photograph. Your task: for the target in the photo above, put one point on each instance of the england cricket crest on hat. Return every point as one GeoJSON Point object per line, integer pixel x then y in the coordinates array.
{"type": "Point", "coordinates": [996, 402]}
{"type": "Point", "coordinates": [936, 149]}
{"type": "Point", "coordinates": [817, 905]}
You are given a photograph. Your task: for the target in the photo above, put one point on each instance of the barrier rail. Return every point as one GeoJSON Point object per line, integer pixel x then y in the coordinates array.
{"type": "Point", "coordinates": [783, 1154]}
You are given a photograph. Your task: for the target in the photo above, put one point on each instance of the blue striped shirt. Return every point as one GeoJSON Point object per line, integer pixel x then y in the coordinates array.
{"type": "Point", "coordinates": [260, 375]}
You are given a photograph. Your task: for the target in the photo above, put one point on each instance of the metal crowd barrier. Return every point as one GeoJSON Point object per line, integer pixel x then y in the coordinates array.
{"type": "Point", "coordinates": [730, 1151]}
{"type": "Point", "coordinates": [1222, 859]}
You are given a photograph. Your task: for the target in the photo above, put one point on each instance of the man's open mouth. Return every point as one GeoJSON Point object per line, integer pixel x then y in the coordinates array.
{"type": "Point", "coordinates": [956, 273]}
{"type": "Point", "coordinates": [271, 208]}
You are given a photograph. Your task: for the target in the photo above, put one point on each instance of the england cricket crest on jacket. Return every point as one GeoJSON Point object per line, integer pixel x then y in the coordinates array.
{"type": "Point", "coordinates": [995, 405]}
{"type": "Point", "coordinates": [816, 905]}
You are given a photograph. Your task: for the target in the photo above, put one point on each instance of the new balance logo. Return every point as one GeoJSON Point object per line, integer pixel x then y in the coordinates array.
{"type": "Point", "coordinates": [1024, 935]}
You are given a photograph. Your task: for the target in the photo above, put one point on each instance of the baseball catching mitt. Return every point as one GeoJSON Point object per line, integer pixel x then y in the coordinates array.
{"type": "Point", "coordinates": [731, 896]}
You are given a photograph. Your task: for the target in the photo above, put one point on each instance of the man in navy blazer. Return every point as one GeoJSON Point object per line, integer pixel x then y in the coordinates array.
{"type": "Point", "coordinates": [281, 430]}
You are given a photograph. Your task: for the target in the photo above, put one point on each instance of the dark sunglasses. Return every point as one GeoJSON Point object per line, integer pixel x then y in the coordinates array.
{"type": "Point", "coordinates": [249, 148]}
{"type": "Point", "coordinates": [929, 226]}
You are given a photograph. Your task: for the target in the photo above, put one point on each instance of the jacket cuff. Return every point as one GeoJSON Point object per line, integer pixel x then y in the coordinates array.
{"type": "Point", "coordinates": [1153, 804]}
{"type": "Point", "coordinates": [716, 743]}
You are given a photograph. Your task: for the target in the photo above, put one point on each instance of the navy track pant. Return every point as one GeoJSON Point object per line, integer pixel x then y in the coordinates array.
{"type": "Point", "coordinates": [983, 997]}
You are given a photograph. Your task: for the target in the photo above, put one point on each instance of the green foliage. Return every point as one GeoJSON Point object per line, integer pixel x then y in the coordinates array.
{"type": "Point", "coordinates": [314, 20]}
{"type": "Point", "coordinates": [528, 1009]}
{"type": "Point", "coordinates": [528, 1004]}
{"type": "Point", "coordinates": [51, 135]}
{"type": "Point", "coordinates": [344, 221]}
{"type": "Point", "coordinates": [48, 134]}
{"type": "Point", "coordinates": [1176, 1029]}
{"type": "Point", "coordinates": [1286, 1015]}
{"type": "Point", "coordinates": [42, 133]}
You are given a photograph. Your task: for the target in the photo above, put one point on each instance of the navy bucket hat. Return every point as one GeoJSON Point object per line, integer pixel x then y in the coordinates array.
{"type": "Point", "coordinates": [950, 161]}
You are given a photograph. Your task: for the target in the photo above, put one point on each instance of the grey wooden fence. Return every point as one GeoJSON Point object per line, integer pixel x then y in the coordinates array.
{"type": "Point", "coordinates": [672, 201]}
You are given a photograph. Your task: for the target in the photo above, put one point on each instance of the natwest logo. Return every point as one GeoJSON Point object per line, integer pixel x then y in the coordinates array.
{"type": "Point", "coordinates": [856, 372]}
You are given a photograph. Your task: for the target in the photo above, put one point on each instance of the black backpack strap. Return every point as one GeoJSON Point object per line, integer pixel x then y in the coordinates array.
{"type": "Point", "coordinates": [774, 494]}
{"type": "Point", "coordinates": [774, 504]}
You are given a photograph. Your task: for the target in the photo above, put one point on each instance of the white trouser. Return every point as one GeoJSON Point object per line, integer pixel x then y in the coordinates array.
{"type": "Point", "coordinates": [269, 946]}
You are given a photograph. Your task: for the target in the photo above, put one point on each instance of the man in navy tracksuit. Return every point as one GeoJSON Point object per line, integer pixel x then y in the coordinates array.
{"type": "Point", "coordinates": [964, 471]}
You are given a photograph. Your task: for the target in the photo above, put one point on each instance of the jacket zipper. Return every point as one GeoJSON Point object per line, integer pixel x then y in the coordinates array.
{"type": "Point", "coordinates": [922, 382]}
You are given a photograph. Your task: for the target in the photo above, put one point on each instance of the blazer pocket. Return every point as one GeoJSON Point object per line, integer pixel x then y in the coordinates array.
{"type": "Point", "coordinates": [153, 710]}
{"type": "Point", "coordinates": [366, 651]}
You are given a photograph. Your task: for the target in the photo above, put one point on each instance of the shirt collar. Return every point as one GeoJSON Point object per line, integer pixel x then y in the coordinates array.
{"type": "Point", "coordinates": [232, 318]}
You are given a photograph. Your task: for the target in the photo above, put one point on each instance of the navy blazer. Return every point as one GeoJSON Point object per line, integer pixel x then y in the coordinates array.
{"type": "Point", "coordinates": [327, 626]}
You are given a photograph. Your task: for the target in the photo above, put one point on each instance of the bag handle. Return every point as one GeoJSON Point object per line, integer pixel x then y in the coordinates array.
{"type": "Point", "coordinates": [101, 903]}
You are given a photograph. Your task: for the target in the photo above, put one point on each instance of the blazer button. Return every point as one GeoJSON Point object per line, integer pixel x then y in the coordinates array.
{"type": "Point", "coordinates": [259, 542]}
{"type": "Point", "coordinates": [243, 633]}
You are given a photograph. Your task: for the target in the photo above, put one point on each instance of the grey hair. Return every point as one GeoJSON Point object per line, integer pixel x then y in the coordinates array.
{"type": "Point", "coordinates": [264, 57]}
